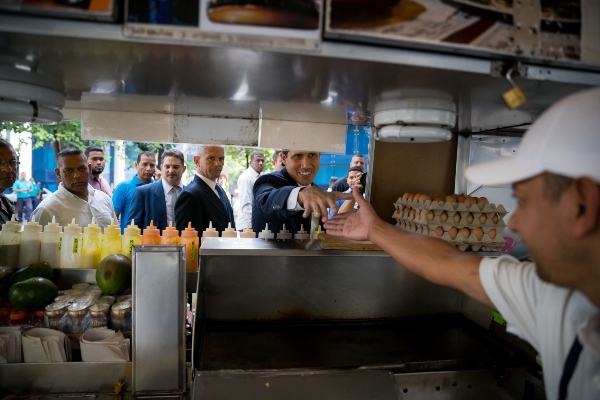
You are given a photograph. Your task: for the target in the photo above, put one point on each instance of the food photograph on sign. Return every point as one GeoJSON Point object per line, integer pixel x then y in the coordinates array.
{"type": "Point", "coordinates": [486, 24]}
{"type": "Point", "coordinates": [282, 18]}
{"type": "Point", "coordinates": [163, 12]}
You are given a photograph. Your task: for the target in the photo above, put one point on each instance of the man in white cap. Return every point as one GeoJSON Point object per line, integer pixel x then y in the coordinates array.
{"type": "Point", "coordinates": [554, 301]}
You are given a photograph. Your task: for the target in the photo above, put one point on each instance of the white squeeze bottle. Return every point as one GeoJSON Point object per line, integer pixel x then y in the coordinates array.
{"type": "Point", "coordinates": [11, 243]}
{"type": "Point", "coordinates": [91, 246]}
{"type": "Point", "coordinates": [131, 235]}
{"type": "Point", "coordinates": [70, 252]}
{"type": "Point", "coordinates": [31, 241]}
{"type": "Point", "coordinates": [51, 243]}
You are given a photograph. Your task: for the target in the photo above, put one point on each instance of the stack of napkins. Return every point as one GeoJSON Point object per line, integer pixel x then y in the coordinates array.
{"type": "Point", "coordinates": [101, 344]}
{"type": "Point", "coordinates": [42, 345]}
{"type": "Point", "coordinates": [10, 345]}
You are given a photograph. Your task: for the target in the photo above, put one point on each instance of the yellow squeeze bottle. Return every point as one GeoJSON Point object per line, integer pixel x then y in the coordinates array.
{"type": "Point", "coordinates": [170, 235]}
{"type": "Point", "coordinates": [151, 235]}
{"type": "Point", "coordinates": [132, 236]}
{"type": "Point", "coordinates": [189, 237]}
{"type": "Point", "coordinates": [111, 240]}
{"type": "Point", "coordinates": [91, 246]}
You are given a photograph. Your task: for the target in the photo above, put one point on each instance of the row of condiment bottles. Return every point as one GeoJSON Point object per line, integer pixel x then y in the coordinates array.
{"type": "Point", "coordinates": [73, 249]}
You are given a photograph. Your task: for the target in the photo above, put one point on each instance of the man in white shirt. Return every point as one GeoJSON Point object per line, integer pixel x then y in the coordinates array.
{"type": "Point", "coordinates": [156, 201]}
{"type": "Point", "coordinates": [245, 184]}
{"type": "Point", "coordinates": [554, 301]}
{"type": "Point", "coordinates": [75, 197]}
{"type": "Point", "coordinates": [203, 201]}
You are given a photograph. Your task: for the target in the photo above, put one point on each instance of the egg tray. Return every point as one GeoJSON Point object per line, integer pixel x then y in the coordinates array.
{"type": "Point", "coordinates": [421, 218]}
{"type": "Point", "coordinates": [471, 242]}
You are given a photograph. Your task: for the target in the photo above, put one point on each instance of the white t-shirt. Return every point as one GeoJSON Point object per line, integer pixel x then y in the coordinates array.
{"type": "Point", "coordinates": [65, 206]}
{"type": "Point", "coordinates": [548, 317]}
{"type": "Point", "coordinates": [245, 186]}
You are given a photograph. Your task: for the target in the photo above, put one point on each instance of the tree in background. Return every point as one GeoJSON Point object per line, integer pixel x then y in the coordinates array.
{"type": "Point", "coordinates": [237, 160]}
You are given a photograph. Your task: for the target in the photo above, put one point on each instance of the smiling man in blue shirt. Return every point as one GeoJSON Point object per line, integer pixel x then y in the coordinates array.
{"type": "Point", "coordinates": [123, 194]}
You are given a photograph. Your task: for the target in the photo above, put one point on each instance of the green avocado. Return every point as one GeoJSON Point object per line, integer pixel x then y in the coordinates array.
{"type": "Point", "coordinates": [32, 294]}
{"type": "Point", "coordinates": [113, 274]}
{"type": "Point", "coordinates": [39, 269]}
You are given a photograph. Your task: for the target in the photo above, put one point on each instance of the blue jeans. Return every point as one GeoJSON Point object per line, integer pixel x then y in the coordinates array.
{"type": "Point", "coordinates": [24, 204]}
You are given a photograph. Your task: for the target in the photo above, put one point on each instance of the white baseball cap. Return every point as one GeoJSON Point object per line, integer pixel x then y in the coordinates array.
{"type": "Point", "coordinates": [565, 140]}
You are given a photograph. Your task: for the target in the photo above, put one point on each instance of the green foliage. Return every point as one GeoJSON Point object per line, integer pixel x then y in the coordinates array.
{"type": "Point", "coordinates": [237, 160]}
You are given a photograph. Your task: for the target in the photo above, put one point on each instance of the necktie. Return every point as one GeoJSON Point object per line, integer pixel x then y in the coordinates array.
{"type": "Point", "coordinates": [173, 200]}
{"type": "Point", "coordinates": [569, 368]}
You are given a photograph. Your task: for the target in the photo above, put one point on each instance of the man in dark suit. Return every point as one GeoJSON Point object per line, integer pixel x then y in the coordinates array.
{"type": "Point", "coordinates": [156, 201]}
{"type": "Point", "coordinates": [289, 196]}
{"type": "Point", "coordinates": [203, 200]}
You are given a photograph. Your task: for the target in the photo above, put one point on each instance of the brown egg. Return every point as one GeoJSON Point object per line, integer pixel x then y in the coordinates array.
{"type": "Point", "coordinates": [465, 232]}
{"type": "Point", "coordinates": [482, 200]}
{"type": "Point", "coordinates": [482, 218]}
{"type": "Point", "coordinates": [452, 232]}
{"type": "Point", "coordinates": [456, 218]}
{"type": "Point", "coordinates": [418, 196]}
{"type": "Point", "coordinates": [439, 231]}
{"type": "Point", "coordinates": [430, 216]}
{"type": "Point", "coordinates": [451, 198]}
{"type": "Point", "coordinates": [444, 216]}
{"type": "Point", "coordinates": [478, 233]}
{"type": "Point", "coordinates": [460, 198]}
{"type": "Point", "coordinates": [437, 197]}
{"type": "Point", "coordinates": [410, 196]}
{"type": "Point", "coordinates": [495, 218]}
{"type": "Point", "coordinates": [469, 218]}
{"type": "Point", "coordinates": [492, 233]}
{"type": "Point", "coordinates": [470, 200]}
{"type": "Point", "coordinates": [412, 212]}
{"type": "Point", "coordinates": [405, 196]}
{"type": "Point", "coordinates": [425, 197]}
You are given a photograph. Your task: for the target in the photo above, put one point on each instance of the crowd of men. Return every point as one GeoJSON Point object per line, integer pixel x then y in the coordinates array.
{"type": "Point", "coordinates": [553, 301]}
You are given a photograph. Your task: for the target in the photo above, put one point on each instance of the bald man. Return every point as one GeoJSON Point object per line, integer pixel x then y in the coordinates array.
{"type": "Point", "coordinates": [203, 200]}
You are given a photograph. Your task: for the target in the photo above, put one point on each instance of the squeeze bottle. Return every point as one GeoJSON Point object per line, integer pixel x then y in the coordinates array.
{"type": "Point", "coordinates": [266, 233]}
{"type": "Point", "coordinates": [302, 234]}
{"type": "Point", "coordinates": [284, 234]}
{"type": "Point", "coordinates": [229, 232]}
{"type": "Point", "coordinates": [31, 242]}
{"type": "Point", "coordinates": [70, 252]}
{"type": "Point", "coordinates": [51, 243]}
{"type": "Point", "coordinates": [111, 240]}
{"type": "Point", "coordinates": [170, 235]}
{"type": "Point", "coordinates": [151, 234]}
{"type": "Point", "coordinates": [189, 237]}
{"type": "Point", "coordinates": [131, 236]}
{"type": "Point", "coordinates": [248, 233]}
{"type": "Point", "coordinates": [91, 246]}
{"type": "Point", "coordinates": [209, 232]}
{"type": "Point", "coordinates": [11, 243]}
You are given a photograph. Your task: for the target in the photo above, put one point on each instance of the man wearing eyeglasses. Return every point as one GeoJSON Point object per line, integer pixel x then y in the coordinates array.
{"type": "Point", "coordinates": [8, 176]}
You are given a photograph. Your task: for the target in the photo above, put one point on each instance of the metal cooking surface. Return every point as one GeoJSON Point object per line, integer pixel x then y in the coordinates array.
{"type": "Point", "coordinates": [414, 345]}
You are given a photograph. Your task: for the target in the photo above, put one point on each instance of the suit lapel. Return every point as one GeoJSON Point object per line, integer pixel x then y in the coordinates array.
{"type": "Point", "coordinates": [208, 192]}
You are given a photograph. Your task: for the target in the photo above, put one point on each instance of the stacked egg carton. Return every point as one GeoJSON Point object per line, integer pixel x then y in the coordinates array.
{"type": "Point", "coordinates": [463, 221]}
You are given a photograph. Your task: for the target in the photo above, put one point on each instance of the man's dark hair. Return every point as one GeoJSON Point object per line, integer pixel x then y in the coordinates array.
{"type": "Point", "coordinates": [7, 145]}
{"type": "Point", "coordinates": [147, 154]}
{"type": "Point", "coordinates": [172, 153]}
{"type": "Point", "coordinates": [358, 155]}
{"type": "Point", "coordinates": [555, 185]}
{"type": "Point", "coordinates": [70, 151]}
{"type": "Point", "coordinates": [92, 148]}
{"type": "Point", "coordinates": [256, 154]}
{"type": "Point", "coordinates": [357, 169]}
{"type": "Point", "coordinates": [276, 154]}
{"type": "Point", "coordinates": [285, 152]}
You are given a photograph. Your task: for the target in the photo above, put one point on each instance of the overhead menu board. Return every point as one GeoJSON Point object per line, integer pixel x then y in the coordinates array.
{"type": "Point", "coordinates": [255, 23]}
{"type": "Point", "coordinates": [549, 29]}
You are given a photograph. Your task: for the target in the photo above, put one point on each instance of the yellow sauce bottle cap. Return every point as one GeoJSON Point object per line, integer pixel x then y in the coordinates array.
{"type": "Point", "coordinates": [132, 229]}
{"type": "Point", "coordinates": [92, 228]}
{"type": "Point", "coordinates": [112, 229]}
{"type": "Point", "coordinates": [189, 231]}
{"type": "Point", "coordinates": [248, 233]}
